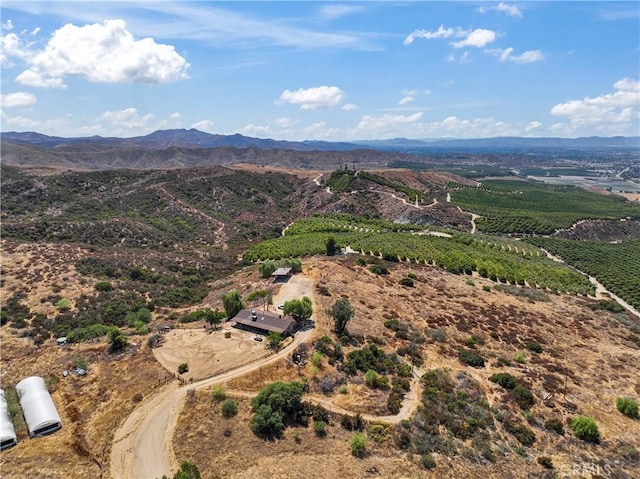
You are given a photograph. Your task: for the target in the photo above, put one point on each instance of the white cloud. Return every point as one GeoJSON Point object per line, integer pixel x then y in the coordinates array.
{"type": "Point", "coordinates": [319, 131]}
{"type": "Point", "coordinates": [506, 55]}
{"type": "Point", "coordinates": [406, 99]}
{"type": "Point", "coordinates": [441, 32]}
{"type": "Point", "coordinates": [334, 11]}
{"type": "Point", "coordinates": [109, 53]}
{"type": "Point", "coordinates": [12, 100]}
{"type": "Point", "coordinates": [34, 79]}
{"type": "Point", "coordinates": [454, 127]}
{"type": "Point", "coordinates": [204, 125]}
{"type": "Point", "coordinates": [349, 106]}
{"type": "Point", "coordinates": [479, 38]}
{"type": "Point", "coordinates": [21, 123]}
{"type": "Point", "coordinates": [285, 122]}
{"type": "Point", "coordinates": [427, 92]}
{"type": "Point", "coordinates": [384, 125]}
{"type": "Point", "coordinates": [176, 115]}
{"type": "Point", "coordinates": [8, 25]}
{"type": "Point", "coordinates": [314, 98]}
{"type": "Point", "coordinates": [127, 118]}
{"type": "Point", "coordinates": [260, 131]}
{"type": "Point", "coordinates": [533, 125]}
{"type": "Point", "coordinates": [511, 10]}
{"type": "Point", "coordinates": [11, 46]}
{"type": "Point", "coordinates": [619, 107]}
{"type": "Point", "coordinates": [463, 58]}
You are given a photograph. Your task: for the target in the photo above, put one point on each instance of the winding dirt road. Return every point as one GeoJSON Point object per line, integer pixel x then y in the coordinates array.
{"type": "Point", "coordinates": [143, 445]}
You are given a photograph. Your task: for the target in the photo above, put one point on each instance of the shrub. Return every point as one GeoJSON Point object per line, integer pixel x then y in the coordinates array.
{"type": "Point", "coordinates": [523, 396]}
{"type": "Point", "coordinates": [427, 461]}
{"type": "Point", "coordinates": [377, 431]}
{"type": "Point", "coordinates": [320, 428]}
{"type": "Point", "coordinates": [103, 286]}
{"type": "Point", "coordinates": [545, 461]}
{"type": "Point", "coordinates": [555, 425]}
{"type": "Point", "coordinates": [227, 334]}
{"type": "Point", "coordinates": [358, 444]}
{"type": "Point", "coordinates": [406, 281]}
{"type": "Point", "coordinates": [218, 393]}
{"type": "Point", "coordinates": [505, 380]}
{"type": "Point", "coordinates": [486, 288]}
{"type": "Point", "coordinates": [343, 389]}
{"type": "Point", "coordinates": [471, 358]}
{"type": "Point", "coordinates": [275, 403]}
{"type": "Point", "coordinates": [183, 368]}
{"type": "Point", "coordinates": [117, 340]}
{"type": "Point", "coordinates": [628, 407]}
{"type": "Point", "coordinates": [352, 423]}
{"type": "Point", "coordinates": [229, 408]}
{"type": "Point", "coordinates": [439, 335]}
{"type": "Point", "coordinates": [379, 269]}
{"type": "Point", "coordinates": [534, 346]}
{"type": "Point", "coordinates": [188, 470]}
{"type": "Point", "coordinates": [523, 434]}
{"type": "Point", "coordinates": [412, 276]}
{"type": "Point", "coordinates": [63, 304]}
{"type": "Point", "coordinates": [520, 358]}
{"type": "Point", "coordinates": [586, 429]}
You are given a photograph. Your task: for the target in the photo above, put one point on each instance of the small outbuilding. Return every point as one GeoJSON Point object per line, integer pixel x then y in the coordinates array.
{"type": "Point", "coordinates": [39, 411]}
{"type": "Point", "coordinates": [281, 275]}
{"type": "Point", "coordinates": [8, 436]}
{"type": "Point", "coordinates": [264, 322]}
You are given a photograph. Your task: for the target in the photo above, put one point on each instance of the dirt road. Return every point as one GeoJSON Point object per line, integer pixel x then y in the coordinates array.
{"type": "Point", "coordinates": [143, 445]}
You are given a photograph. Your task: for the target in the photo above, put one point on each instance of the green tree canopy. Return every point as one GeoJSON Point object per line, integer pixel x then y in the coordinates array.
{"type": "Point", "coordinates": [213, 317]}
{"type": "Point", "coordinates": [331, 246]}
{"type": "Point", "coordinates": [300, 309]}
{"type": "Point", "coordinates": [266, 268]}
{"type": "Point", "coordinates": [233, 303]}
{"type": "Point", "coordinates": [341, 312]}
{"type": "Point", "coordinates": [117, 340]}
{"type": "Point", "coordinates": [274, 340]}
{"type": "Point", "coordinates": [277, 402]}
{"type": "Point", "coordinates": [188, 470]}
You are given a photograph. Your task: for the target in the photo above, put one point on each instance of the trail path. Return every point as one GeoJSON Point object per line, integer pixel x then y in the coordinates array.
{"type": "Point", "coordinates": [404, 201]}
{"type": "Point", "coordinates": [220, 235]}
{"type": "Point", "coordinates": [600, 288]}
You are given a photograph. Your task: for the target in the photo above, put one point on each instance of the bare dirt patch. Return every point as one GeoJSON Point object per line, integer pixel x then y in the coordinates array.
{"type": "Point", "coordinates": [208, 352]}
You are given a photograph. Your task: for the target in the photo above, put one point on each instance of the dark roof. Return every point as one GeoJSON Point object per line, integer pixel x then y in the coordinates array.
{"type": "Point", "coordinates": [264, 320]}
{"type": "Point", "coordinates": [281, 272]}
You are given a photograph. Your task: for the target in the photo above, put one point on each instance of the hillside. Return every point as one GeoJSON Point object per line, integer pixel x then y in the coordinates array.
{"type": "Point", "coordinates": [139, 250]}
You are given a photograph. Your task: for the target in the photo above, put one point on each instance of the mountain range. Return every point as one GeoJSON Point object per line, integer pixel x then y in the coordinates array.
{"type": "Point", "coordinates": [193, 138]}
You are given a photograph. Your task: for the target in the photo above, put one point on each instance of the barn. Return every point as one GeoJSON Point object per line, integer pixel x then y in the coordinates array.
{"type": "Point", "coordinates": [39, 411]}
{"type": "Point", "coordinates": [264, 322]}
{"type": "Point", "coordinates": [8, 436]}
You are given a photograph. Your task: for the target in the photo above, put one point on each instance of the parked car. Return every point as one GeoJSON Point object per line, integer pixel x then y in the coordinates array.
{"type": "Point", "coordinates": [281, 306]}
{"type": "Point", "coordinates": [257, 338]}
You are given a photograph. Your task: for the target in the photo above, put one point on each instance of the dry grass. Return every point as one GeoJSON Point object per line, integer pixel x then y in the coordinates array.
{"type": "Point", "coordinates": [90, 407]}
{"type": "Point", "coordinates": [591, 349]}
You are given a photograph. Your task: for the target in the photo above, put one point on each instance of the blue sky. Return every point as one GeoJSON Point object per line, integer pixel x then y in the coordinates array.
{"type": "Point", "coordinates": [322, 70]}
